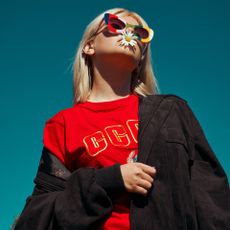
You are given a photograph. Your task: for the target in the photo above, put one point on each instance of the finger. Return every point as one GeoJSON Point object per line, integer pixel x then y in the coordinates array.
{"type": "Point", "coordinates": [146, 177]}
{"type": "Point", "coordinates": [148, 169]}
{"type": "Point", "coordinates": [141, 190]}
{"type": "Point", "coordinates": [144, 184]}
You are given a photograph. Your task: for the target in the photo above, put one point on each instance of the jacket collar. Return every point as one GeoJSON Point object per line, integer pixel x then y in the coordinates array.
{"type": "Point", "coordinates": [153, 111]}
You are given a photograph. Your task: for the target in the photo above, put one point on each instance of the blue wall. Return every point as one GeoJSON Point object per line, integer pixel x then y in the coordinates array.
{"type": "Point", "coordinates": [38, 40]}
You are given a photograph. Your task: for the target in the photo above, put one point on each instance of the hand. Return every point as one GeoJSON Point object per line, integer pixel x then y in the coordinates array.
{"type": "Point", "coordinates": [138, 177]}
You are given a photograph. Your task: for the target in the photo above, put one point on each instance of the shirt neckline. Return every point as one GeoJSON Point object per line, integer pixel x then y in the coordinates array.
{"type": "Point", "coordinates": [108, 105]}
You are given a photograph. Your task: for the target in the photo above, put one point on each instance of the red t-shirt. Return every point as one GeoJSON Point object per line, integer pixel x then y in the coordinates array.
{"type": "Point", "coordinates": [97, 134]}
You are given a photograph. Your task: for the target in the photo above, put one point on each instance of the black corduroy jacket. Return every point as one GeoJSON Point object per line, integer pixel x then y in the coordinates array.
{"type": "Point", "coordinates": [190, 190]}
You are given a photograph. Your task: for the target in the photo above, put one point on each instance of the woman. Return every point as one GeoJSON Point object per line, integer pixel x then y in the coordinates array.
{"type": "Point", "coordinates": [124, 156]}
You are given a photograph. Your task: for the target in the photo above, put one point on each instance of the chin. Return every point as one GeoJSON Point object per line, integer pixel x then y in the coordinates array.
{"type": "Point", "coordinates": [126, 57]}
{"type": "Point", "coordinates": [132, 52]}
{"type": "Point", "coordinates": [121, 57]}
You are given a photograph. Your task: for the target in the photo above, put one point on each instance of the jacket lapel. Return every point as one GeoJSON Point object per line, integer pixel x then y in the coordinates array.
{"type": "Point", "coordinates": [153, 111]}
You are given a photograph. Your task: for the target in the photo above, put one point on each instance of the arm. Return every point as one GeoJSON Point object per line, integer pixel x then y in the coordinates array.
{"type": "Point", "coordinates": [209, 183]}
{"type": "Point", "coordinates": [64, 200]}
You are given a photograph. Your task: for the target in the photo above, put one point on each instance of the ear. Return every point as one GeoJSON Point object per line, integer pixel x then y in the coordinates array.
{"type": "Point", "coordinates": [89, 48]}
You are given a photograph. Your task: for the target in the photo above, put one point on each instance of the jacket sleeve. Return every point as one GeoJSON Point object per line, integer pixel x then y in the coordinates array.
{"type": "Point", "coordinates": [209, 182]}
{"type": "Point", "coordinates": [64, 199]}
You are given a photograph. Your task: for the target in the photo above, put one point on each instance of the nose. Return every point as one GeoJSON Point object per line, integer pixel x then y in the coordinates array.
{"type": "Point", "coordinates": [129, 29]}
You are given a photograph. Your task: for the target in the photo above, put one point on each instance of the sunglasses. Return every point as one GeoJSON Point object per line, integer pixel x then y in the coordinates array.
{"type": "Point", "coordinates": [118, 25]}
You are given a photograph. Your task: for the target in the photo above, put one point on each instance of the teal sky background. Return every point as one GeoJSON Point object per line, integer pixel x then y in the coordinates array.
{"type": "Point", "coordinates": [38, 40]}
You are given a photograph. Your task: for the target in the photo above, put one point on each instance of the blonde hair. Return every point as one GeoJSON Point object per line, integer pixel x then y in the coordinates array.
{"type": "Point", "coordinates": [143, 79]}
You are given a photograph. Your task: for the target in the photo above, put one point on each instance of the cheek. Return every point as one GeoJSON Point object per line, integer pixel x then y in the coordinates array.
{"type": "Point", "coordinates": [138, 52]}
{"type": "Point", "coordinates": [141, 46]}
{"type": "Point", "coordinates": [105, 43]}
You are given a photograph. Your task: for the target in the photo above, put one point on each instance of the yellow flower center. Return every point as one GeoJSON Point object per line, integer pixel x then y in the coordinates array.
{"type": "Point", "coordinates": [128, 38]}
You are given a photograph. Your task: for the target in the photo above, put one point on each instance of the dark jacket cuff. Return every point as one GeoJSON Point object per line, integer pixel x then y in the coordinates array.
{"type": "Point", "coordinates": [110, 179]}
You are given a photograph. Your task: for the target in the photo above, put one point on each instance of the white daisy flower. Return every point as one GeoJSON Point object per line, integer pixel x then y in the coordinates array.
{"type": "Point", "coordinates": [127, 38]}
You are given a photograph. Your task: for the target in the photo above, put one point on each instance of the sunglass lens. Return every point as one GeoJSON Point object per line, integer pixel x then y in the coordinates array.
{"type": "Point", "coordinates": [116, 23]}
{"type": "Point", "coordinates": [141, 32]}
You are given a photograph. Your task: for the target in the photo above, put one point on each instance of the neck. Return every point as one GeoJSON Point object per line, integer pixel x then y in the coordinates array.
{"type": "Point", "coordinates": [109, 82]}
